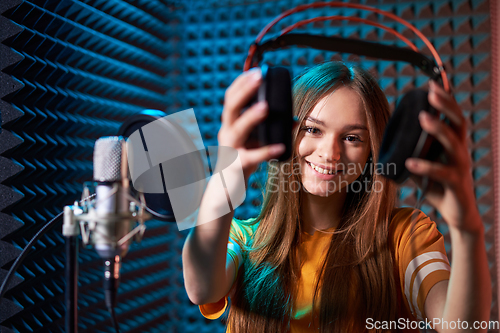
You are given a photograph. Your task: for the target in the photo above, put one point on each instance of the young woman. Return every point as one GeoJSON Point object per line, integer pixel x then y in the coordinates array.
{"type": "Point", "coordinates": [329, 251]}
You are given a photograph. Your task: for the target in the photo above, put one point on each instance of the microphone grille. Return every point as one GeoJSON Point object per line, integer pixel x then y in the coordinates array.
{"type": "Point", "coordinates": [108, 158]}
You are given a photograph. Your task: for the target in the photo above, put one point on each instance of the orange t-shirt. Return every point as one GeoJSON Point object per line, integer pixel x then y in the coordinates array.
{"type": "Point", "coordinates": [419, 265]}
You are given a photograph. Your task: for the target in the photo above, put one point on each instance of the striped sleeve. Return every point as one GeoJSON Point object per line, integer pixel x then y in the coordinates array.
{"type": "Point", "coordinates": [420, 256]}
{"type": "Point", "coordinates": [239, 236]}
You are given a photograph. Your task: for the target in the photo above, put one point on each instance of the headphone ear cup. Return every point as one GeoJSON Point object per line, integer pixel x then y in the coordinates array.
{"type": "Point", "coordinates": [279, 122]}
{"type": "Point", "coordinates": [404, 137]}
{"type": "Point", "coordinates": [276, 90]}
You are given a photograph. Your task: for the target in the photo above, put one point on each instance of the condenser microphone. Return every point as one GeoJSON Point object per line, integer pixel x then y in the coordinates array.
{"type": "Point", "coordinates": [112, 218]}
{"type": "Point", "coordinates": [112, 203]}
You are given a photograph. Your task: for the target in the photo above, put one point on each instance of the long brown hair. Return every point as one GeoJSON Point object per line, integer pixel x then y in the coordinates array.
{"type": "Point", "coordinates": [358, 261]}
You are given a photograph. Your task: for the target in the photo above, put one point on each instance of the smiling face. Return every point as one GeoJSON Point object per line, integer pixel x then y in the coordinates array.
{"type": "Point", "coordinates": [334, 143]}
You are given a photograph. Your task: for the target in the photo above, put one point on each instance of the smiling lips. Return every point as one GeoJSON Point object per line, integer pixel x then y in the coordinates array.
{"type": "Point", "coordinates": [321, 170]}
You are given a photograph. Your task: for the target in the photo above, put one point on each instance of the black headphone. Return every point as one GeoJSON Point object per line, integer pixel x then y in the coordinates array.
{"type": "Point", "coordinates": [403, 137]}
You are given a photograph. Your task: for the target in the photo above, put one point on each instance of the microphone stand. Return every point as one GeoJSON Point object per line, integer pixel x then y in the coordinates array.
{"type": "Point", "coordinates": [71, 276]}
{"type": "Point", "coordinates": [71, 231]}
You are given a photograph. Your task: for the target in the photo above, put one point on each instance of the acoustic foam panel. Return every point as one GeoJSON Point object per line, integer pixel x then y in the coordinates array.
{"type": "Point", "coordinates": [71, 72]}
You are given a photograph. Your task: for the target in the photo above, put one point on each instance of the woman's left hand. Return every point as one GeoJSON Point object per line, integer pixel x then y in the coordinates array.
{"type": "Point", "coordinates": [452, 193]}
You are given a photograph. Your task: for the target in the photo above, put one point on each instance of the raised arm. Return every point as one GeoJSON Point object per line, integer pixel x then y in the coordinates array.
{"type": "Point", "coordinates": [208, 275]}
{"type": "Point", "coordinates": [467, 295]}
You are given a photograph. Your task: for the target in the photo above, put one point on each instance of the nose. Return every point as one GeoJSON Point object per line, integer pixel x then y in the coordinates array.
{"type": "Point", "coordinates": [329, 149]}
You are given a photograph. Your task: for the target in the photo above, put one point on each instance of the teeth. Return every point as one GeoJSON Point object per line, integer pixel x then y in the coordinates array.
{"type": "Point", "coordinates": [321, 170]}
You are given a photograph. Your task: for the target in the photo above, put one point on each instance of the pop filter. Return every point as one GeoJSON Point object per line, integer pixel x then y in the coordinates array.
{"type": "Point", "coordinates": [175, 136]}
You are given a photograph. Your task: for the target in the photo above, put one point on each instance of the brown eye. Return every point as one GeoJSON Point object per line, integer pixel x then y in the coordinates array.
{"type": "Point", "coordinates": [353, 138]}
{"type": "Point", "coordinates": [311, 130]}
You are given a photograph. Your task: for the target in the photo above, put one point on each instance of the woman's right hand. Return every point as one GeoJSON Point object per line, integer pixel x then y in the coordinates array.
{"type": "Point", "coordinates": [236, 127]}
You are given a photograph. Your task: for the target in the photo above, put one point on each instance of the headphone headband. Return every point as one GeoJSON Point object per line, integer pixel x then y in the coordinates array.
{"type": "Point", "coordinates": [354, 46]}
{"type": "Point", "coordinates": [353, 19]}
{"type": "Point", "coordinates": [432, 71]}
